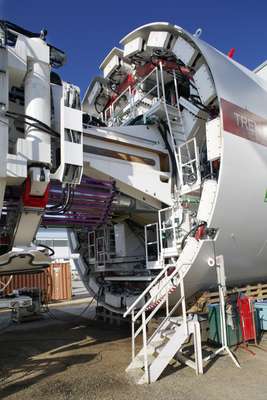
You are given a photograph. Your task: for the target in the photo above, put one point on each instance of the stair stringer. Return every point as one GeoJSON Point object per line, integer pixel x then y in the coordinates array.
{"type": "Point", "coordinates": [168, 352]}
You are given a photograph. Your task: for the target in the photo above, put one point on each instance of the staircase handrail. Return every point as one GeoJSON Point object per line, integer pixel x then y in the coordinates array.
{"type": "Point", "coordinates": [143, 294]}
{"type": "Point", "coordinates": [167, 281]}
{"type": "Point", "coordinates": [152, 284]}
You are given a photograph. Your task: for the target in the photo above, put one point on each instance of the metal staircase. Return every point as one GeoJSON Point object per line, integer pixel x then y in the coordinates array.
{"type": "Point", "coordinates": [173, 113]}
{"type": "Point", "coordinates": [165, 347]}
{"type": "Point", "coordinates": [171, 334]}
{"type": "Point", "coordinates": [183, 149]}
{"type": "Point", "coordinates": [188, 155]}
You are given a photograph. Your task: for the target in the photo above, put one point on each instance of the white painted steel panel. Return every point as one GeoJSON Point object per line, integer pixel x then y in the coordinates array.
{"type": "Point", "coordinates": [73, 153]}
{"type": "Point", "coordinates": [158, 39]}
{"type": "Point", "coordinates": [184, 51]}
{"type": "Point", "coordinates": [207, 200]}
{"type": "Point", "coordinates": [111, 66]}
{"type": "Point", "coordinates": [72, 119]}
{"type": "Point", "coordinates": [133, 47]}
{"type": "Point", "coordinates": [33, 150]}
{"type": "Point", "coordinates": [16, 166]}
{"type": "Point", "coordinates": [214, 139]}
{"type": "Point", "coordinates": [30, 220]}
{"type": "Point", "coordinates": [36, 48]}
{"type": "Point", "coordinates": [204, 84]}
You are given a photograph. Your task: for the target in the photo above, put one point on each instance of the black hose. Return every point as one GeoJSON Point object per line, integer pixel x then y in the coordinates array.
{"type": "Point", "coordinates": [75, 318]}
{"type": "Point", "coordinates": [52, 252]}
{"type": "Point", "coordinates": [23, 117]}
{"type": "Point", "coordinates": [58, 206]}
{"type": "Point", "coordinates": [163, 131]}
{"type": "Point", "coordinates": [65, 206]}
{"type": "Point", "coordinates": [70, 202]}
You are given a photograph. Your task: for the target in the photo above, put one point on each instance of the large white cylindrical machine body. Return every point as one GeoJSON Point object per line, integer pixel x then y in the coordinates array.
{"type": "Point", "coordinates": [234, 203]}
{"type": "Point", "coordinates": [239, 211]}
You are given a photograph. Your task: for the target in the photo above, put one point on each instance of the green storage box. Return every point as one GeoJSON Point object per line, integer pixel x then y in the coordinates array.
{"type": "Point", "coordinates": [234, 334]}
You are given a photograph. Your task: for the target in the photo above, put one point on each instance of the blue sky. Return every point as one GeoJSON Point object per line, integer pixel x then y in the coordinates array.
{"type": "Point", "coordinates": [86, 30]}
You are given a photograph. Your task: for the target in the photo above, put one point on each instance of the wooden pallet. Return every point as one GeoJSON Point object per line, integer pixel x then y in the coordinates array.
{"type": "Point", "coordinates": [200, 302]}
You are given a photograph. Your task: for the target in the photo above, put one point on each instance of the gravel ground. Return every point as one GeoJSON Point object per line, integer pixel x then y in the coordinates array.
{"type": "Point", "coordinates": [66, 356]}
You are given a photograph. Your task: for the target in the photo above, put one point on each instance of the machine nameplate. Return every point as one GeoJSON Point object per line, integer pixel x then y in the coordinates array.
{"type": "Point", "coordinates": [244, 123]}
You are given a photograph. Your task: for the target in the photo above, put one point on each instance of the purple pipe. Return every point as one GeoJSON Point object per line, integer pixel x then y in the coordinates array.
{"type": "Point", "coordinates": [91, 205]}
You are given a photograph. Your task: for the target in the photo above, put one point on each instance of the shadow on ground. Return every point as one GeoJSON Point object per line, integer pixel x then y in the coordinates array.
{"type": "Point", "coordinates": [40, 349]}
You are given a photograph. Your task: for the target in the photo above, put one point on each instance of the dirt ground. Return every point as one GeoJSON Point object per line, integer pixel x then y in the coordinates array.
{"type": "Point", "coordinates": [66, 356]}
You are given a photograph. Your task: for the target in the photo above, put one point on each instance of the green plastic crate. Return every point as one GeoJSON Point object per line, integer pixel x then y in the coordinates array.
{"type": "Point", "coordinates": [234, 335]}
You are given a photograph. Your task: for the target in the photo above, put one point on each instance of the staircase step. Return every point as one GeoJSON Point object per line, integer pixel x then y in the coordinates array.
{"type": "Point", "coordinates": [162, 346]}
{"type": "Point", "coordinates": [176, 320]}
{"type": "Point", "coordinates": [151, 347]}
{"type": "Point", "coordinates": [138, 362]}
{"type": "Point", "coordinates": [167, 332]}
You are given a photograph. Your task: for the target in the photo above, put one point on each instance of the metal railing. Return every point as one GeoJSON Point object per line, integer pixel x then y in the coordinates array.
{"type": "Point", "coordinates": [131, 92]}
{"type": "Point", "coordinates": [152, 243]}
{"type": "Point", "coordinates": [168, 117]}
{"type": "Point", "coordinates": [91, 246]}
{"type": "Point", "coordinates": [135, 96]}
{"type": "Point", "coordinates": [174, 279]}
{"type": "Point", "coordinates": [188, 155]}
{"type": "Point", "coordinates": [167, 231]}
{"type": "Point", "coordinates": [109, 113]}
{"type": "Point", "coordinates": [100, 251]}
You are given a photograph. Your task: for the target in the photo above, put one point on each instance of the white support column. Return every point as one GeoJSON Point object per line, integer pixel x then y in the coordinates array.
{"type": "Point", "coordinates": [218, 263]}
{"type": "Point", "coordinates": [4, 123]}
{"type": "Point", "coordinates": [133, 336]}
{"type": "Point", "coordinates": [183, 303]}
{"type": "Point", "coordinates": [145, 346]}
{"type": "Point", "coordinates": [198, 349]}
{"type": "Point", "coordinates": [167, 297]}
{"type": "Point", "coordinates": [37, 105]}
